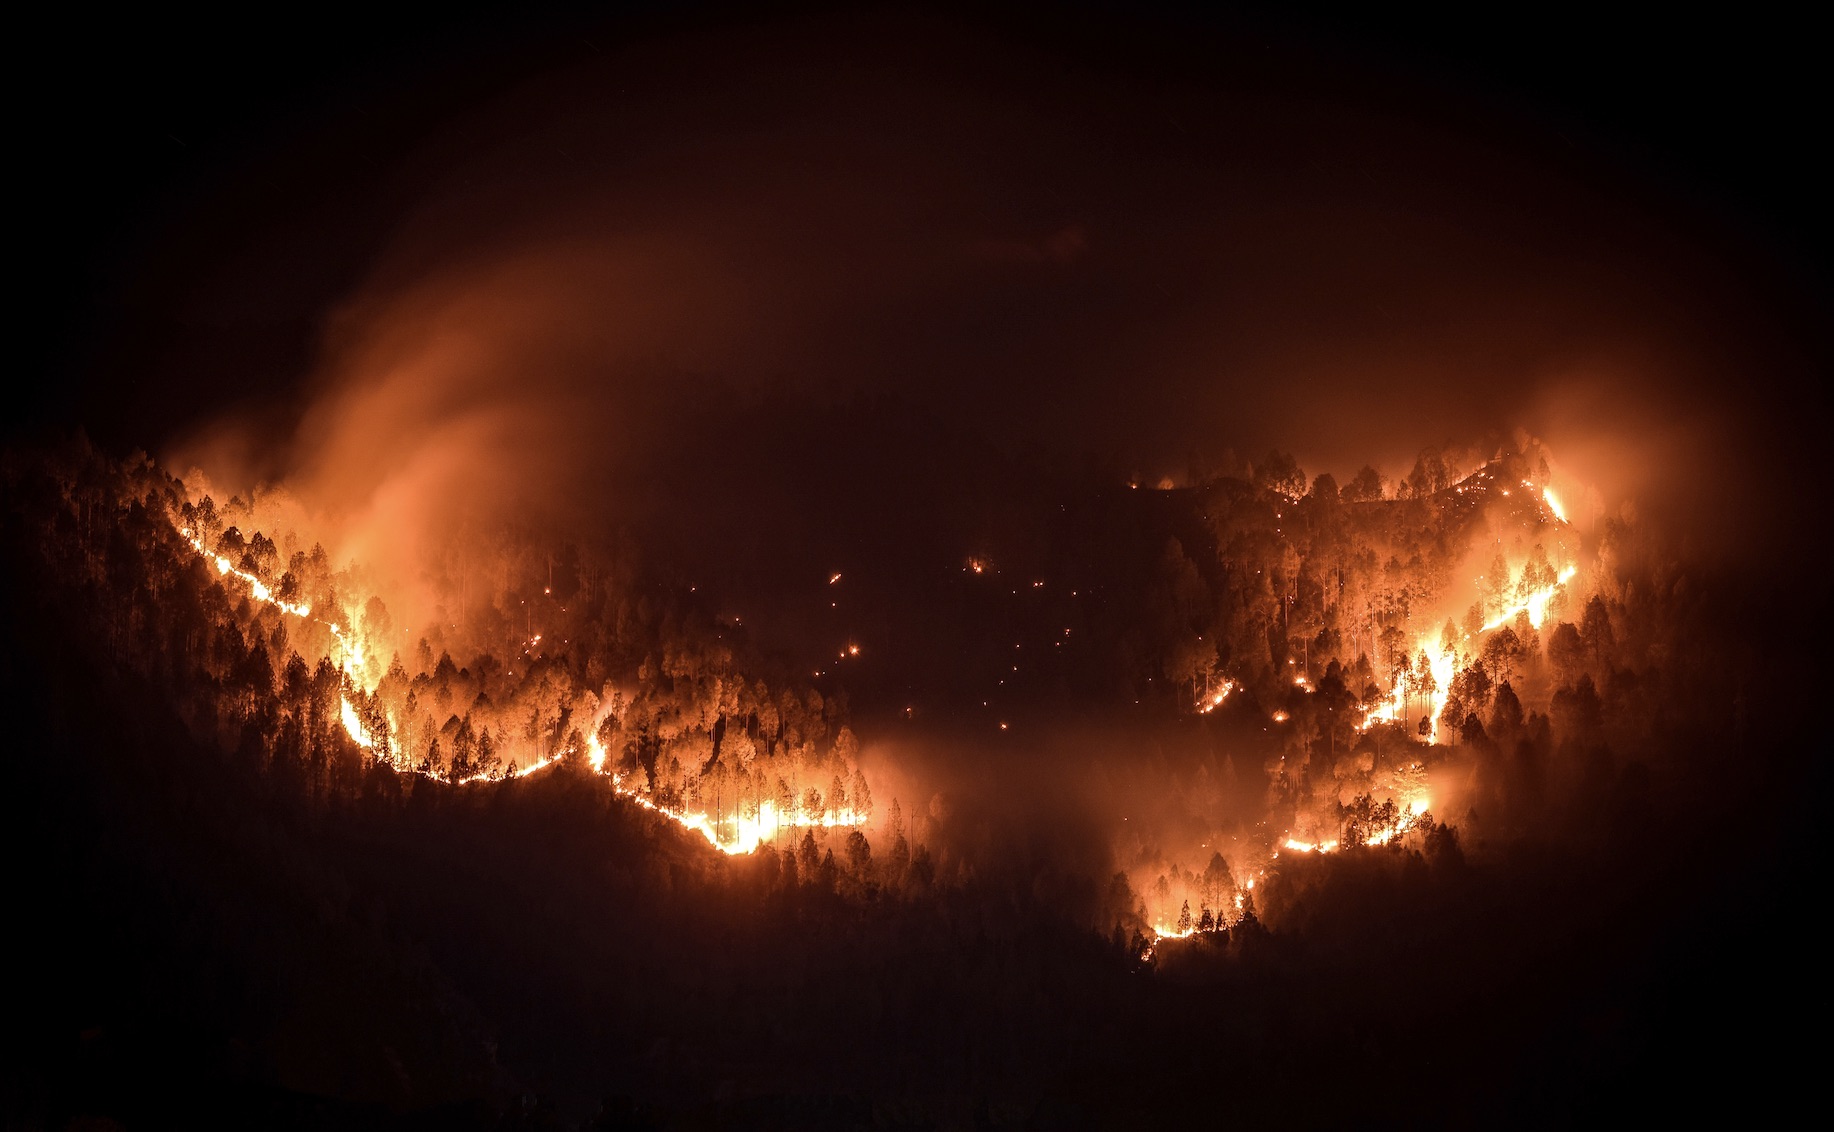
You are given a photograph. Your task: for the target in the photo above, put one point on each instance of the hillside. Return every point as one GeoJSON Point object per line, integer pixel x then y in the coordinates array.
{"type": "Point", "coordinates": [257, 897]}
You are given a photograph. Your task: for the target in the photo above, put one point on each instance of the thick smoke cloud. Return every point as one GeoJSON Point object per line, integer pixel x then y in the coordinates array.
{"type": "Point", "coordinates": [1060, 255]}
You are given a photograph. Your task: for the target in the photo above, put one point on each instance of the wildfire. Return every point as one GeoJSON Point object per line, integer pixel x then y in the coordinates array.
{"type": "Point", "coordinates": [1419, 693]}
{"type": "Point", "coordinates": [353, 659]}
{"type": "Point", "coordinates": [1535, 604]}
{"type": "Point", "coordinates": [358, 733]}
{"type": "Point", "coordinates": [1216, 697]}
{"type": "Point", "coordinates": [1410, 814]}
{"type": "Point", "coordinates": [1412, 806]}
{"type": "Point", "coordinates": [739, 834]}
{"type": "Point", "coordinates": [1553, 504]}
{"type": "Point", "coordinates": [260, 590]}
{"type": "Point", "coordinates": [736, 835]}
{"type": "Point", "coordinates": [1441, 665]}
{"type": "Point", "coordinates": [1299, 846]}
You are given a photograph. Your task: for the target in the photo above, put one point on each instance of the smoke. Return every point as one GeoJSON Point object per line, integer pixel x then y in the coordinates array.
{"type": "Point", "coordinates": [1051, 808]}
{"type": "Point", "coordinates": [1063, 255]}
{"type": "Point", "coordinates": [629, 296]}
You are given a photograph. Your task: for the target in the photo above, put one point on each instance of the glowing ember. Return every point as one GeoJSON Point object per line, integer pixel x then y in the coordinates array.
{"type": "Point", "coordinates": [1215, 699]}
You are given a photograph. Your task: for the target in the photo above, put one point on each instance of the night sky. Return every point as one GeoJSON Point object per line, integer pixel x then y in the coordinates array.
{"type": "Point", "coordinates": [1134, 233]}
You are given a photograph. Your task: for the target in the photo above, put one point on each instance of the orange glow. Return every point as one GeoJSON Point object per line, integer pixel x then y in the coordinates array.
{"type": "Point", "coordinates": [739, 834]}
{"type": "Point", "coordinates": [1215, 699]}
{"type": "Point", "coordinates": [736, 834]}
{"type": "Point", "coordinates": [354, 726]}
{"type": "Point", "coordinates": [1553, 504]}
{"type": "Point", "coordinates": [1395, 709]}
{"type": "Point", "coordinates": [260, 591]}
{"type": "Point", "coordinates": [1299, 846]}
{"type": "Point", "coordinates": [1535, 604]}
{"type": "Point", "coordinates": [736, 820]}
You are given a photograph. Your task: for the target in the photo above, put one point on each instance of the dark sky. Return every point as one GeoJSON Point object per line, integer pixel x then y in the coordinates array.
{"type": "Point", "coordinates": [367, 244]}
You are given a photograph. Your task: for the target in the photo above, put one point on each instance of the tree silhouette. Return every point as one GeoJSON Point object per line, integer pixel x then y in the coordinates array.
{"type": "Point", "coordinates": [1596, 631]}
{"type": "Point", "coordinates": [1280, 473]}
{"type": "Point", "coordinates": [1364, 487]}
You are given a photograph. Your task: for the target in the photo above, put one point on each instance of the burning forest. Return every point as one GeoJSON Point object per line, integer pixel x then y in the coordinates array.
{"type": "Point", "coordinates": [1320, 685]}
{"type": "Point", "coordinates": [726, 591]}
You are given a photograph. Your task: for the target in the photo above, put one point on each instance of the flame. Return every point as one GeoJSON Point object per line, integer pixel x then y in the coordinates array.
{"type": "Point", "coordinates": [1299, 846]}
{"type": "Point", "coordinates": [1553, 504]}
{"type": "Point", "coordinates": [1411, 813]}
{"type": "Point", "coordinates": [736, 835]}
{"type": "Point", "coordinates": [353, 649]}
{"type": "Point", "coordinates": [256, 585]}
{"type": "Point", "coordinates": [1413, 806]}
{"type": "Point", "coordinates": [1215, 699]}
{"type": "Point", "coordinates": [736, 831]}
{"type": "Point", "coordinates": [1442, 665]}
{"type": "Point", "coordinates": [354, 726]}
{"type": "Point", "coordinates": [747, 834]}
{"type": "Point", "coordinates": [1535, 604]}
